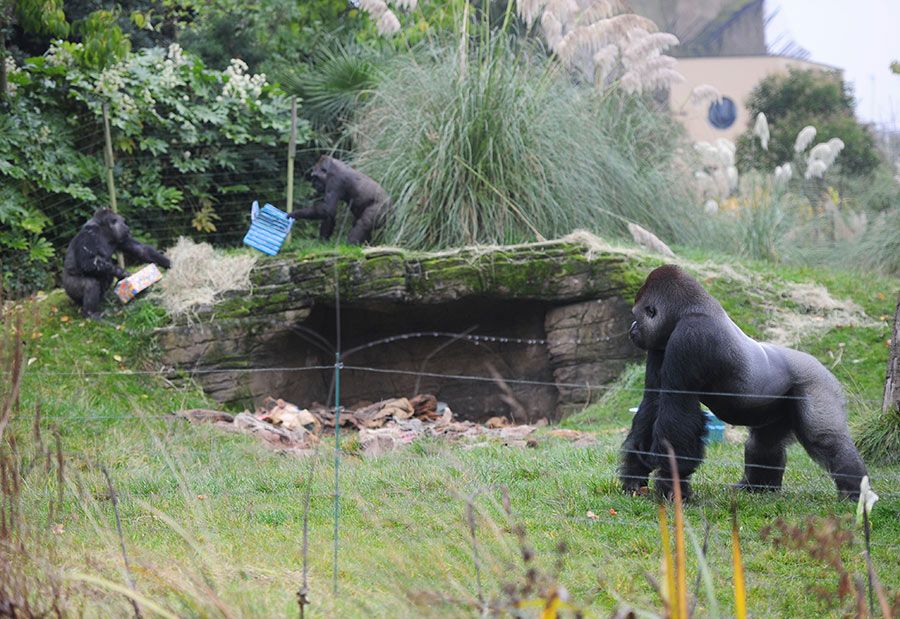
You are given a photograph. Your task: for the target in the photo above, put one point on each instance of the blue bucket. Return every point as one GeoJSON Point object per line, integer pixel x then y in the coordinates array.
{"type": "Point", "coordinates": [269, 228]}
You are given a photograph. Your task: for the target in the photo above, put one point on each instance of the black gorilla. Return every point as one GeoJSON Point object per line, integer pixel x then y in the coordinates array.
{"type": "Point", "coordinates": [695, 354]}
{"type": "Point", "coordinates": [89, 267]}
{"type": "Point", "coordinates": [367, 199]}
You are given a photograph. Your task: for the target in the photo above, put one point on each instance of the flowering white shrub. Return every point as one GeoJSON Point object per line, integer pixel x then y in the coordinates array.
{"type": "Point", "coordinates": [240, 84]}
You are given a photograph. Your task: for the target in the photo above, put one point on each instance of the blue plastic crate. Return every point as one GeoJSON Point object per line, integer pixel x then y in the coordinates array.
{"type": "Point", "coordinates": [269, 228]}
{"type": "Point", "coordinates": [715, 428]}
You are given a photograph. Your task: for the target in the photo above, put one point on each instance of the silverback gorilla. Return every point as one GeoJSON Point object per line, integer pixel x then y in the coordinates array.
{"type": "Point", "coordinates": [89, 267]}
{"type": "Point", "coordinates": [368, 201]}
{"type": "Point", "coordinates": [695, 354]}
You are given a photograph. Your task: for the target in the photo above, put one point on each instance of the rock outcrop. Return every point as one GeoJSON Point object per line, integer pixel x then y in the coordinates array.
{"type": "Point", "coordinates": [539, 328]}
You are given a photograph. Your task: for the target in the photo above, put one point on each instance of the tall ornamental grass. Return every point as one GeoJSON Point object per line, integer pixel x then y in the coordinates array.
{"type": "Point", "coordinates": [488, 145]}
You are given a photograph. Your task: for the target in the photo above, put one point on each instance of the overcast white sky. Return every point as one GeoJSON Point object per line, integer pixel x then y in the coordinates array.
{"type": "Point", "coordinates": [862, 37]}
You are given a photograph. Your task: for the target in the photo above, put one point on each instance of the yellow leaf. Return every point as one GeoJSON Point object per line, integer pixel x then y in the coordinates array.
{"type": "Point", "coordinates": [117, 357]}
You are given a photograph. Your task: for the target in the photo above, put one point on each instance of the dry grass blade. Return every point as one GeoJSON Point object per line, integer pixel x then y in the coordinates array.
{"type": "Point", "coordinates": [668, 589]}
{"type": "Point", "coordinates": [740, 593]}
{"type": "Point", "coordinates": [680, 557]}
{"type": "Point", "coordinates": [116, 587]}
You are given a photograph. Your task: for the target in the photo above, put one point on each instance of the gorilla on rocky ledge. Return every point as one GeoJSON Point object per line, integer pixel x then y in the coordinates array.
{"type": "Point", "coordinates": [89, 267]}
{"type": "Point", "coordinates": [696, 354]}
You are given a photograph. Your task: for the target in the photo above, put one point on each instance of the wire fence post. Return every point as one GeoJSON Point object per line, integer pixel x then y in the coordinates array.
{"type": "Point", "coordinates": [337, 460]}
{"type": "Point", "coordinates": [292, 151]}
{"type": "Point", "coordinates": [110, 180]}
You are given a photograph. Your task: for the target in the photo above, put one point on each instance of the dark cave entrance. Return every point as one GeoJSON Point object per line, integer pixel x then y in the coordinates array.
{"type": "Point", "coordinates": [422, 364]}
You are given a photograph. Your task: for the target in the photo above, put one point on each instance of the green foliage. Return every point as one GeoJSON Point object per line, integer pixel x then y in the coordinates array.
{"type": "Point", "coordinates": [193, 147]}
{"type": "Point", "coordinates": [334, 84]}
{"type": "Point", "coordinates": [506, 149]}
{"type": "Point", "coordinates": [42, 17]}
{"type": "Point", "coordinates": [800, 98]}
{"type": "Point", "coordinates": [103, 41]}
{"type": "Point", "coordinates": [275, 31]}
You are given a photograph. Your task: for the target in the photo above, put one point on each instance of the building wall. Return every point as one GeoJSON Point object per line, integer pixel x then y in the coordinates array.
{"type": "Point", "coordinates": [735, 78]}
{"type": "Point", "coordinates": [709, 27]}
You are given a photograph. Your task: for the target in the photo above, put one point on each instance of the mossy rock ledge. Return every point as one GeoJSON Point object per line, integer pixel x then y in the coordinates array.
{"type": "Point", "coordinates": [545, 328]}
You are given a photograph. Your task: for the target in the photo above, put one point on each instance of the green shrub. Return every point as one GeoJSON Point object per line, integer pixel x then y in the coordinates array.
{"type": "Point", "coordinates": [800, 98]}
{"type": "Point", "coordinates": [505, 148]}
{"type": "Point", "coordinates": [878, 437]}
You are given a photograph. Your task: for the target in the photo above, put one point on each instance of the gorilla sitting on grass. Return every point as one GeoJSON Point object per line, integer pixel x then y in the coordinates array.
{"type": "Point", "coordinates": [695, 354]}
{"type": "Point", "coordinates": [89, 267]}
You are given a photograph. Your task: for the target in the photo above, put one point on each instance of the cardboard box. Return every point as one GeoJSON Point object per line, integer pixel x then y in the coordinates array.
{"type": "Point", "coordinates": [134, 283]}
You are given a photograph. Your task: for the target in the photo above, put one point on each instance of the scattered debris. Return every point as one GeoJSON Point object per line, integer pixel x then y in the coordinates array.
{"type": "Point", "coordinates": [296, 441]}
{"type": "Point", "coordinates": [288, 416]}
{"type": "Point", "coordinates": [383, 426]}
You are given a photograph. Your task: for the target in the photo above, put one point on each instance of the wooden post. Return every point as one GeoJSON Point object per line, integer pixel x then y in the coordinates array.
{"type": "Point", "coordinates": [292, 151]}
{"type": "Point", "coordinates": [892, 380]}
{"type": "Point", "coordinates": [110, 180]}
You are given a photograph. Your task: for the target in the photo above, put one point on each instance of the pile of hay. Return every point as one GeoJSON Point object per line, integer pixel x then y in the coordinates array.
{"type": "Point", "coordinates": [199, 274]}
{"type": "Point", "coordinates": [817, 314]}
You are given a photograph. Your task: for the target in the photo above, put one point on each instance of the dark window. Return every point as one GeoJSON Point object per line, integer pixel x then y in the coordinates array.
{"type": "Point", "coordinates": [722, 113]}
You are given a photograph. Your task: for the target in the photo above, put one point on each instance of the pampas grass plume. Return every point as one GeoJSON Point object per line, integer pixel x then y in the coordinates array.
{"type": "Point", "coordinates": [761, 129]}
{"type": "Point", "coordinates": [704, 93]}
{"type": "Point", "coordinates": [816, 169]}
{"type": "Point", "coordinates": [388, 24]}
{"type": "Point", "coordinates": [804, 138]}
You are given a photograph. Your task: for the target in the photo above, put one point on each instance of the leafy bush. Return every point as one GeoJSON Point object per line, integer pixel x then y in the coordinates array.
{"type": "Point", "coordinates": [193, 147]}
{"type": "Point", "coordinates": [504, 148]}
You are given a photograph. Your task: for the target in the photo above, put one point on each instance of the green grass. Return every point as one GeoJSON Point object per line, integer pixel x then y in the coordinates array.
{"type": "Point", "coordinates": [403, 530]}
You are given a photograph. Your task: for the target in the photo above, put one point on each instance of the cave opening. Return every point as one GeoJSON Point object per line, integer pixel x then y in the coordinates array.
{"type": "Point", "coordinates": [510, 376]}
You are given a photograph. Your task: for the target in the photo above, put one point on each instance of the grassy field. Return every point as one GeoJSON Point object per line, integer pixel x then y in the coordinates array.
{"type": "Point", "coordinates": [213, 523]}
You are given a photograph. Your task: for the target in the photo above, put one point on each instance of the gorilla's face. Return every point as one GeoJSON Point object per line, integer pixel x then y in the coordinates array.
{"type": "Point", "coordinates": [647, 328]}
{"type": "Point", "coordinates": [115, 225]}
{"type": "Point", "coordinates": [319, 174]}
